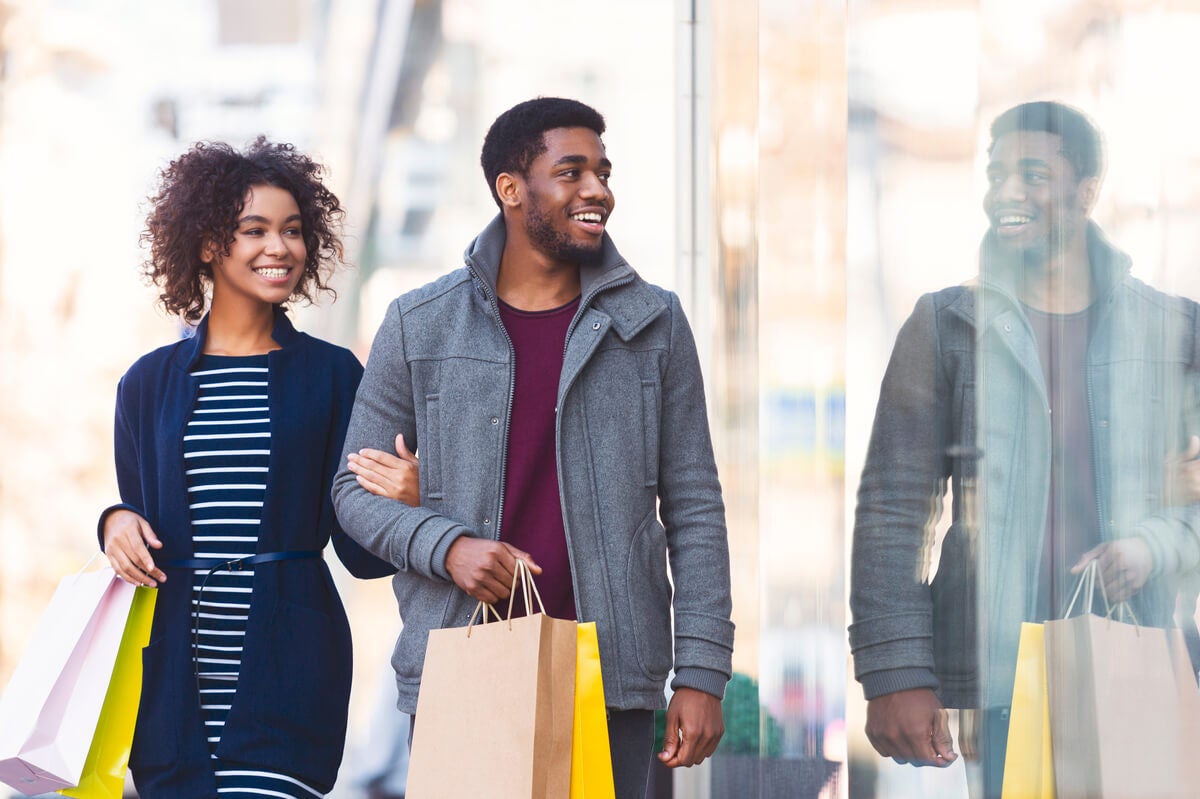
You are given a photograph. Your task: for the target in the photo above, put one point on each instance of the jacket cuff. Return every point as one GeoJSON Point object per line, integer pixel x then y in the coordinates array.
{"type": "Point", "coordinates": [1173, 545]}
{"type": "Point", "coordinates": [428, 544]}
{"type": "Point", "coordinates": [438, 559]}
{"type": "Point", "coordinates": [706, 680]}
{"type": "Point", "coordinates": [104, 516]}
{"type": "Point", "coordinates": [878, 683]}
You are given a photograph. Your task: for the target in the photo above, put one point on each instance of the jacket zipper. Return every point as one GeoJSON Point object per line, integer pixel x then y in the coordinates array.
{"type": "Point", "coordinates": [512, 379]}
{"type": "Point", "coordinates": [583, 305]}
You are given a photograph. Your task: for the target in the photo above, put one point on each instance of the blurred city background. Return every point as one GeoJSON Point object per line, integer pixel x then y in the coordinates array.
{"type": "Point", "coordinates": [800, 171]}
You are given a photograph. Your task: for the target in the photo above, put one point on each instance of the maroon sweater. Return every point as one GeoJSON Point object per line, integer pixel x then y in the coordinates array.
{"type": "Point", "coordinates": [533, 519]}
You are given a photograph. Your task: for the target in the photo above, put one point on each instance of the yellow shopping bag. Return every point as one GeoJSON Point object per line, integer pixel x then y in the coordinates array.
{"type": "Point", "coordinates": [591, 759]}
{"type": "Point", "coordinates": [1028, 761]}
{"type": "Point", "coordinates": [108, 758]}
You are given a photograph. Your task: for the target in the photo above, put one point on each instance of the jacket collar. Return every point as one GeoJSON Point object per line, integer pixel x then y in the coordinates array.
{"type": "Point", "coordinates": [999, 275]}
{"type": "Point", "coordinates": [631, 308]}
{"type": "Point", "coordinates": [190, 349]}
{"type": "Point", "coordinates": [1108, 264]}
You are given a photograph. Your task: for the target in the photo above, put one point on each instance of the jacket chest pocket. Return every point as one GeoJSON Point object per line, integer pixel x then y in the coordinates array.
{"type": "Point", "coordinates": [431, 449]}
{"type": "Point", "coordinates": [623, 402]}
{"type": "Point", "coordinates": [650, 417]}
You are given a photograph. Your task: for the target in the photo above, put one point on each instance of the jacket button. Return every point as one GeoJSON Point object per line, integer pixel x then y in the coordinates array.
{"type": "Point", "coordinates": [495, 420]}
{"type": "Point", "coordinates": [1007, 327]}
{"type": "Point", "coordinates": [487, 521]}
{"type": "Point", "coordinates": [595, 325]}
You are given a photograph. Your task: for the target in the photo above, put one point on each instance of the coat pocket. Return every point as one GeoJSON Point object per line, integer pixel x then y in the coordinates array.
{"type": "Point", "coordinates": [953, 592]}
{"type": "Point", "coordinates": [308, 690]}
{"type": "Point", "coordinates": [161, 710]}
{"type": "Point", "coordinates": [650, 416]}
{"type": "Point", "coordinates": [429, 449]}
{"type": "Point", "coordinates": [649, 592]}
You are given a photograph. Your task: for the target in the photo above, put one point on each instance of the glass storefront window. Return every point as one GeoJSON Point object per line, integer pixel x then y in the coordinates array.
{"type": "Point", "coordinates": [802, 174]}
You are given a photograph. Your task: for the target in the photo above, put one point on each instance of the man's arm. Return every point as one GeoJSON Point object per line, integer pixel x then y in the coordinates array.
{"type": "Point", "coordinates": [693, 515]}
{"type": "Point", "coordinates": [410, 538]}
{"type": "Point", "coordinates": [899, 502]}
{"type": "Point", "coordinates": [347, 376]}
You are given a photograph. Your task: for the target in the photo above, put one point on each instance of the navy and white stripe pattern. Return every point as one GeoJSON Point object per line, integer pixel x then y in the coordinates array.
{"type": "Point", "coordinates": [227, 449]}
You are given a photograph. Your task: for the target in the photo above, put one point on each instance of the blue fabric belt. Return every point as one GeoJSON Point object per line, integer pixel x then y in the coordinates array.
{"type": "Point", "coordinates": [237, 564]}
{"type": "Point", "coordinates": [214, 565]}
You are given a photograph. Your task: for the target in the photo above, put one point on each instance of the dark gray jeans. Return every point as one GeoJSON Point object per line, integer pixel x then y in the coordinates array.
{"type": "Point", "coordinates": [631, 741]}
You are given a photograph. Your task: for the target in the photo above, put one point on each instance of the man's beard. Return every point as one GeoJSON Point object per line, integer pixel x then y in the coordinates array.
{"type": "Point", "coordinates": [558, 245]}
{"type": "Point", "coordinates": [1037, 254]}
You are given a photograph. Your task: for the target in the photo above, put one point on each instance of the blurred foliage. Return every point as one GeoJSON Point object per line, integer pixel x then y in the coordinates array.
{"type": "Point", "coordinates": [746, 722]}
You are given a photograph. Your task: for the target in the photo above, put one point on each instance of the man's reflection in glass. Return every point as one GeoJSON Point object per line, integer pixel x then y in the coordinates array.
{"type": "Point", "coordinates": [1050, 393]}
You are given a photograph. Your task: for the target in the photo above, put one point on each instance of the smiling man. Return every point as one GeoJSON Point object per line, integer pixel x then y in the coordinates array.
{"type": "Point", "coordinates": [556, 404]}
{"type": "Point", "coordinates": [1049, 393]}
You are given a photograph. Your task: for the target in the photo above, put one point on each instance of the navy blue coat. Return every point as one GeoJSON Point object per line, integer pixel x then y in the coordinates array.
{"type": "Point", "coordinates": [289, 713]}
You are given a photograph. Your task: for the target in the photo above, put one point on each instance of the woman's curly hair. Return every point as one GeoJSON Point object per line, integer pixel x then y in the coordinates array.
{"type": "Point", "coordinates": [200, 197]}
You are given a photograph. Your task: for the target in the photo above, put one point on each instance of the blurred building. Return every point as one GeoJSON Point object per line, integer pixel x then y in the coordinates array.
{"type": "Point", "coordinates": [798, 172]}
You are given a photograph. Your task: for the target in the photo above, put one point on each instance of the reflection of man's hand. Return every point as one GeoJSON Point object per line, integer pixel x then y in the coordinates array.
{"type": "Point", "coordinates": [1124, 566]}
{"type": "Point", "coordinates": [1183, 475]}
{"type": "Point", "coordinates": [969, 720]}
{"type": "Point", "coordinates": [911, 727]}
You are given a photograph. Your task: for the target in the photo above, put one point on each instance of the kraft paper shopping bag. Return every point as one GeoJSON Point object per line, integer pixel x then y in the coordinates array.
{"type": "Point", "coordinates": [495, 712]}
{"type": "Point", "coordinates": [591, 757]}
{"type": "Point", "coordinates": [1028, 763]}
{"type": "Point", "coordinates": [108, 758]}
{"type": "Point", "coordinates": [1118, 727]}
{"type": "Point", "coordinates": [50, 709]}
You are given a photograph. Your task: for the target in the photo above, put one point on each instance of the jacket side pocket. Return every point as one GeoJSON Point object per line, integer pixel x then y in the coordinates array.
{"type": "Point", "coordinates": [310, 679]}
{"type": "Point", "coordinates": [649, 592]}
{"type": "Point", "coordinates": [160, 712]}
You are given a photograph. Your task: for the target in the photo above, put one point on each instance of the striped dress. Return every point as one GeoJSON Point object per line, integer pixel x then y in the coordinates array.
{"type": "Point", "coordinates": [227, 448]}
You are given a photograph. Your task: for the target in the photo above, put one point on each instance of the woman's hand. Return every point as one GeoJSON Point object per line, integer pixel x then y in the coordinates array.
{"type": "Point", "coordinates": [386, 475]}
{"type": "Point", "coordinates": [127, 542]}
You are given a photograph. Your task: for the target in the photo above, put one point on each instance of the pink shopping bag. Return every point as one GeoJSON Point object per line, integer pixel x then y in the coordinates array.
{"type": "Point", "coordinates": [49, 709]}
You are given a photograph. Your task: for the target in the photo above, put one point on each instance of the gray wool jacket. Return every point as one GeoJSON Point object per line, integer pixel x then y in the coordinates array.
{"type": "Point", "coordinates": [636, 473]}
{"type": "Point", "coordinates": [964, 400]}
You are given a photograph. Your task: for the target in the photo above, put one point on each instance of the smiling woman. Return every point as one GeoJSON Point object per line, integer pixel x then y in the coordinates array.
{"type": "Point", "coordinates": [206, 206]}
{"type": "Point", "coordinates": [226, 444]}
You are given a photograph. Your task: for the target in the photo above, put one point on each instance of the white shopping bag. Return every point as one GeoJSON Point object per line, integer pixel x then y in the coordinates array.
{"type": "Point", "coordinates": [49, 709]}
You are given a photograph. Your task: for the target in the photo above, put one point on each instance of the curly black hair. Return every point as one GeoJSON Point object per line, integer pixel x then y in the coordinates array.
{"type": "Point", "coordinates": [515, 139]}
{"type": "Point", "coordinates": [200, 197]}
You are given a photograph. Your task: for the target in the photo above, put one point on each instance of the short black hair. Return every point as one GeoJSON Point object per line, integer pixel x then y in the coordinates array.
{"type": "Point", "coordinates": [1083, 144]}
{"type": "Point", "coordinates": [516, 138]}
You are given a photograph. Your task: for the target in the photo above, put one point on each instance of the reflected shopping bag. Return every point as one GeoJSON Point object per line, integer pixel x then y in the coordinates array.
{"type": "Point", "coordinates": [1028, 763]}
{"type": "Point", "coordinates": [591, 757]}
{"type": "Point", "coordinates": [496, 708]}
{"type": "Point", "coordinates": [50, 709]}
{"type": "Point", "coordinates": [1121, 725]}
{"type": "Point", "coordinates": [108, 759]}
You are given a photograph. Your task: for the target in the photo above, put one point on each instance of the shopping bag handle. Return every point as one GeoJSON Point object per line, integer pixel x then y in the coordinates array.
{"type": "Point", "coordinates": [483, 607]}
{"type": "Point", "coordinates": [91, 560]}
{"type": "Point", "coordinates": [528, 586]}
{"type": "Point", "coordinates": [1089, 577]}
{"type": "Point", "coordinates": [524, 576]}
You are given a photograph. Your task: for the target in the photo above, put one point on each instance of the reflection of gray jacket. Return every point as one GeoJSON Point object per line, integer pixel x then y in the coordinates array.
{"type": "Point", "coordinates": [631, 433]}
{"type": "Point", "coordinates": [959, 633]}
